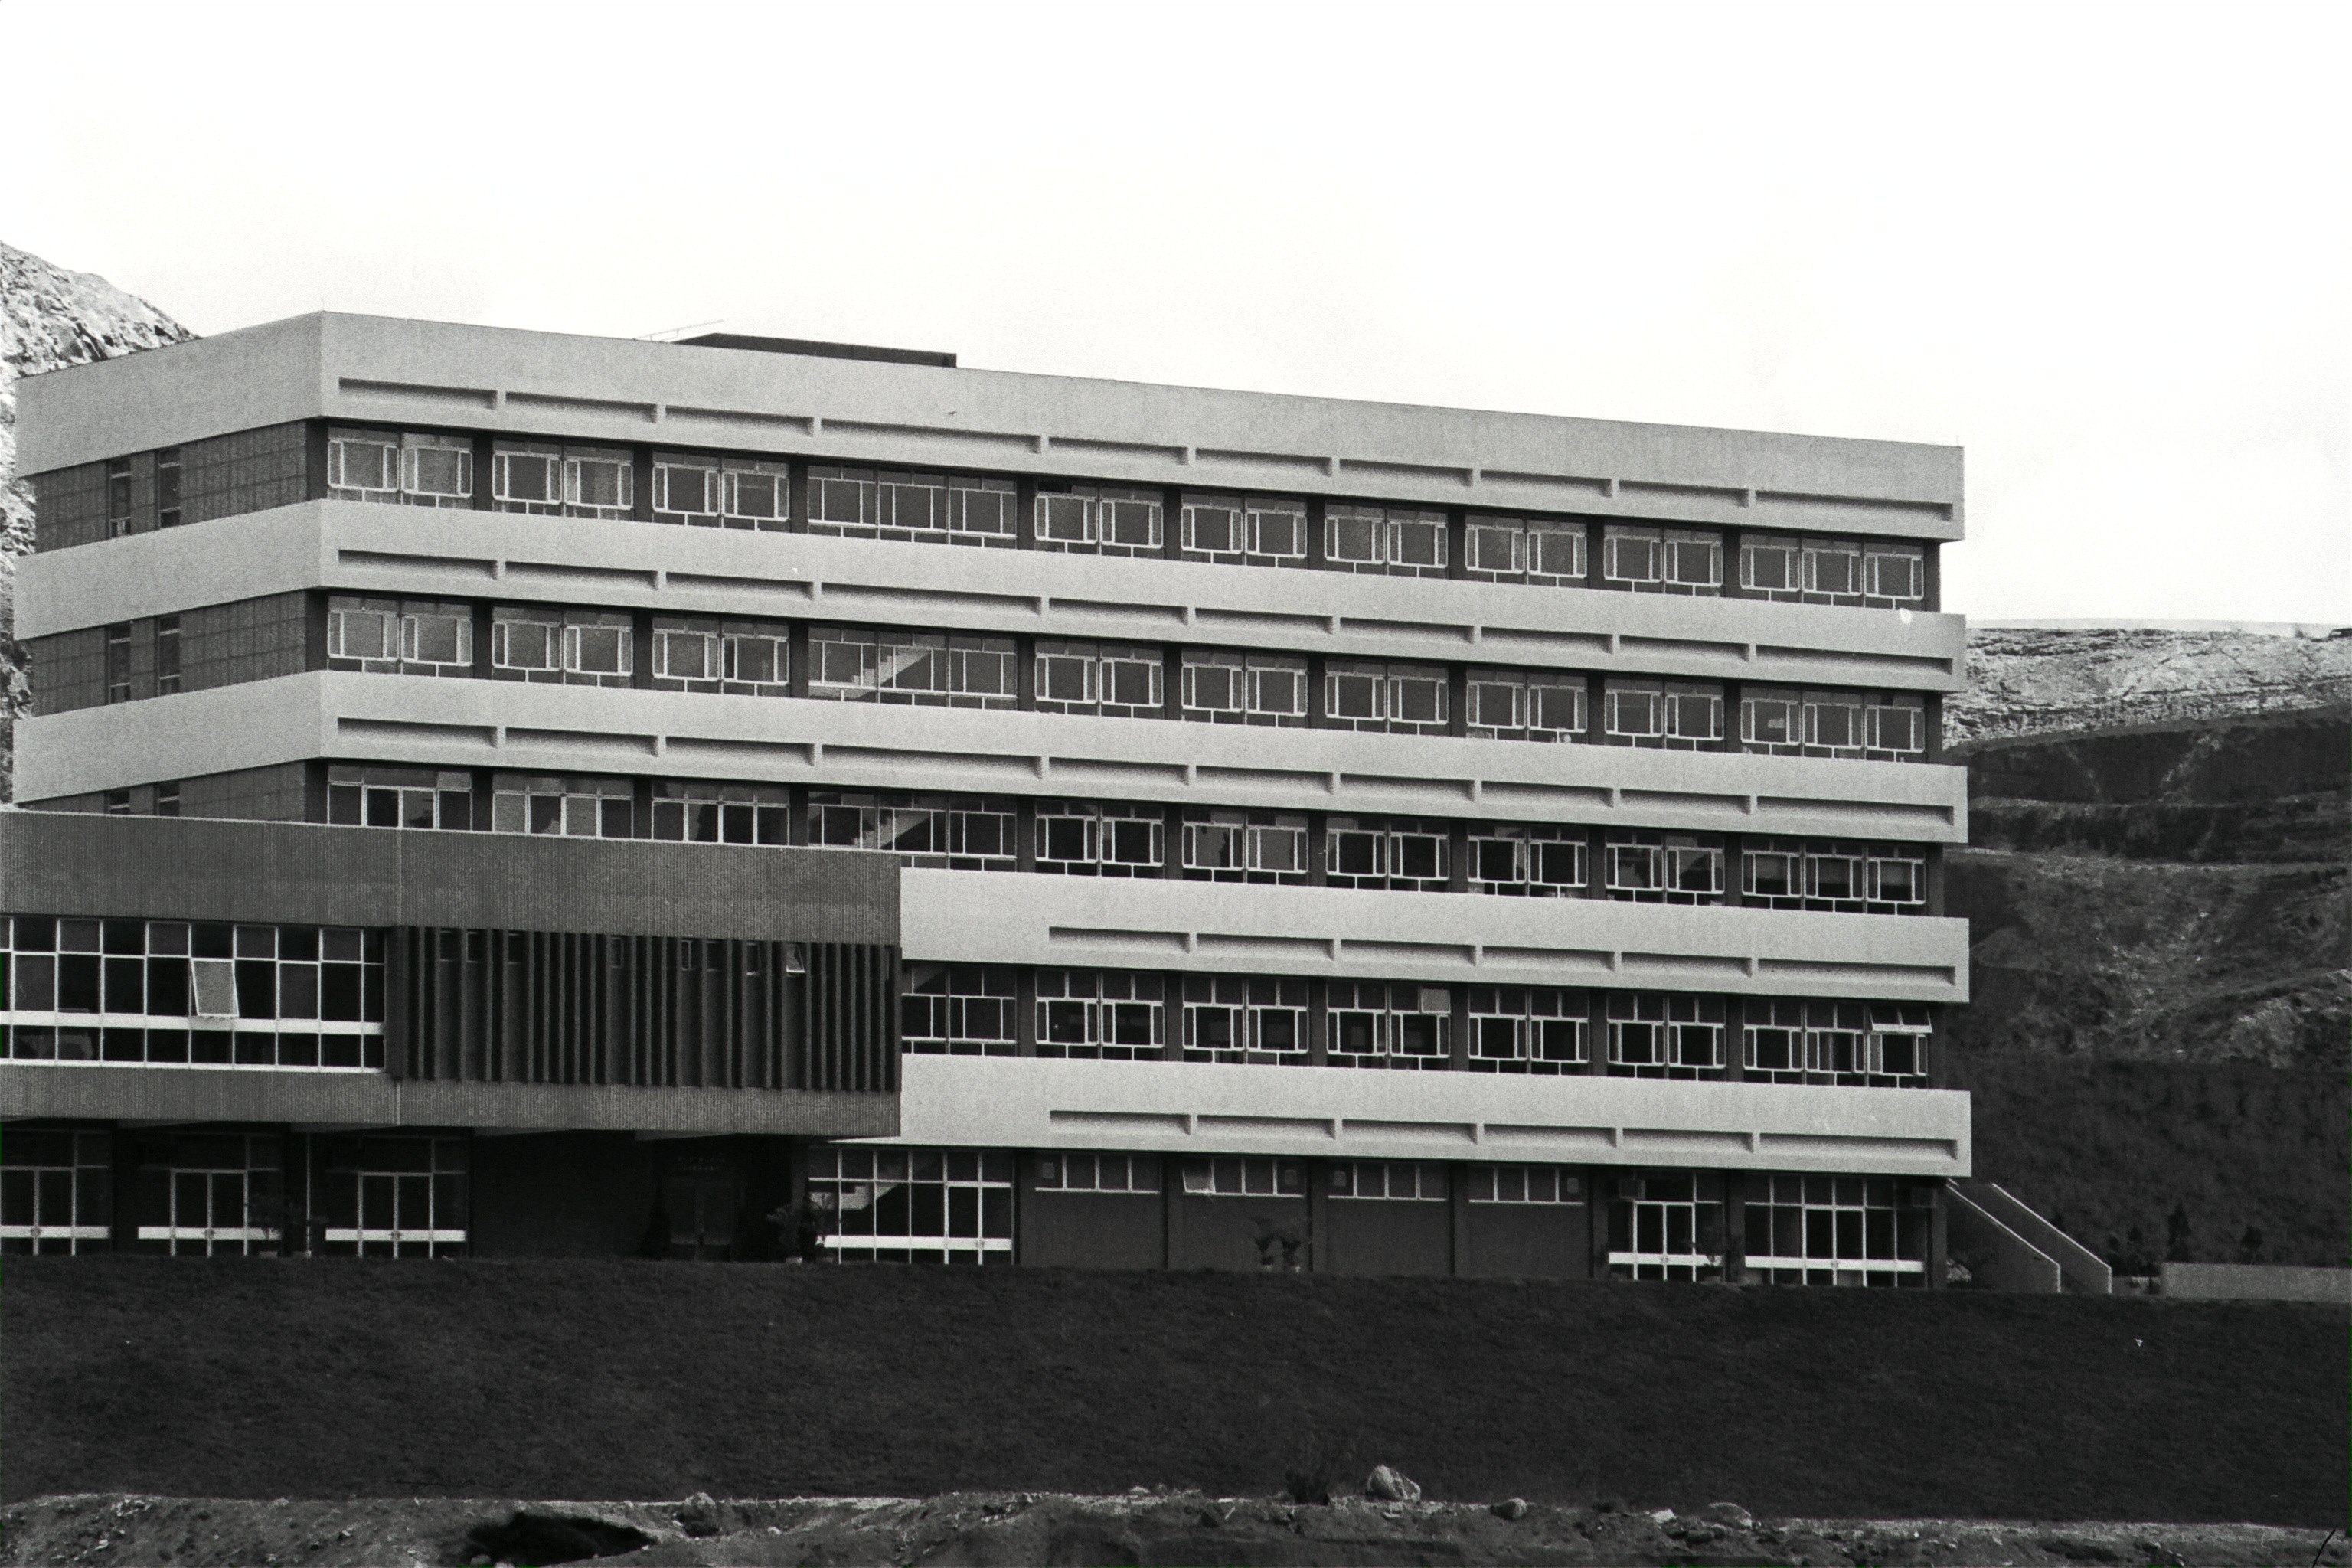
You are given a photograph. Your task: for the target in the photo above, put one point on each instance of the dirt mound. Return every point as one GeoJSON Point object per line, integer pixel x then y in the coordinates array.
{"type": "Point", "coordinates": [1023, 1528]}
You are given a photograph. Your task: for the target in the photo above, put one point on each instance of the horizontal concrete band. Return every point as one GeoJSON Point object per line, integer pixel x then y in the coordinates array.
{"type": "Point", "coordinates": [420, 552]}
{"type": "Point", "coordinates": [1343, 1112]}
{"type": "Point", "coordinates": [373, 370]}
{"type": "Point", "coordinates": [866, 745]}
{"type": "Point", "coordinates": [958, 917]}
{"type": "Point", "coordinates": [190, 869]}
{"type": "Point", "coordinates": [81, 1092]}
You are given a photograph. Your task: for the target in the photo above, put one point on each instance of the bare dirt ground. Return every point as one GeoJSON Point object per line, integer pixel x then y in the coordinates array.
{"type": "Point", "coordinates": [1023, 1528]}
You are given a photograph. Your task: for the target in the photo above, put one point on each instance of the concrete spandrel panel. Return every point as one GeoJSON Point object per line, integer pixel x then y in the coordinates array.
{"type": "Point", "coordinates": [957, 917]}
{"type": "Point", "coordinates": [1343, 1112]}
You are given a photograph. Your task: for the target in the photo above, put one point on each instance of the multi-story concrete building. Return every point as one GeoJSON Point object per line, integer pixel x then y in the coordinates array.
{"type": "Point", "coordinates": [503, 792]}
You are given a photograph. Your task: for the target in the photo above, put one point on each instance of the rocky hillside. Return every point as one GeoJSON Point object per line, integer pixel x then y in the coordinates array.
{"type": "Point", "coordinates": [2159, 885]}
{"type": "Point", "coordinates": [49, 318]}
{"type": "Point", "coordinates": [2039, 681]}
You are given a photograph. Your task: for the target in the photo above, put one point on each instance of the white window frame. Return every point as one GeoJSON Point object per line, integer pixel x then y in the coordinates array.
{"type": "Point", "coordinates": [1613, 543]}
{"type": "Point", "coordinates": [666, 492]}
{"type": "Point", "coordinates": [668, 637]}
{"type": "Point", "coordinates": [502, 643]}
{"type": "Point", "coordinates": [339, 465]}
{"type": "Point", "coordinates": [731, 659]}
{"type": "Point", "coordinates": [502, 472]}
{"type": "Point", "coordinates": [339, 622]}
{"type": "Point", "coordinates": [412, 635]}
{"type": "Point", "coordinates": [624, 641]}
{"type": "Point", "coordinates": [412, 465]}
{"type": "Point", "coordinates": [574, 472]}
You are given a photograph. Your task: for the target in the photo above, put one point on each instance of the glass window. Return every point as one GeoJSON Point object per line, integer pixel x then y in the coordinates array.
{"type": "Point", "coordinates": [913, 1205]}
{"type": "Point", "coordinates": [437, 470]}
{"type": "Point", "coordinates": [965, 1011]}
{"type": "Point", "coordinates": [1534, 1029]}
{"type": "Point", "coordinates": [599, 484]}
{"type": "Point", "coordinates": [1653, 1036]}
{"type": "Point", "coordinates": [1106, 519]}
{"type": "Point", "coordinates": [1631, 557]}
{"type": "Point", "coordinates": [1372, 1024]}
{"type": "Point", "coordinates": [365, 463]}
{"type": "Point", "coordinates": [525, 477]}
{"type": "Point", "coordinates": [1105, 1015]}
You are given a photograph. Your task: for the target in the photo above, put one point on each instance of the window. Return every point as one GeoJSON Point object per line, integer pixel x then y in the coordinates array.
{"type": "Point", "coordinates": [1666, 1226]}
{"type": "Point", "coordinates": [1110, 678]}
{"type": "Point", "coordinates": [721, 812]}
{"type": "Point", "coordinates": [1079, 839]}
{"type": "Point", "coordinates": [1514, 550]}
{"type": "Point", "coordinates": [218, 1195]}
{"type": "Point", "coordinates": [588, 648]}
{"type": "Point", "coordinates": [937, 508]}
{"type": "Point", "coordinates": [1365, 538]}
{"type": "Point", "coordinates": [1404, 1181]}
{"type": "Point", "coordinates": [597, 484]}
{"type": "Point", "coordinates": [167, 655]}
{"type": "Point", "coordinates": [1632, 558]}
{"type": "Point", "coordinates": [743, 657]}
{"type": "Point", "coordinates": [363, 464]}
{"type": "Point", "coordinates": [1107, 1014]}
{"type": "Point", "coordinates": [914, 1205]}
{"type": "Point", "coordinates": [911, 666]}
{"type": "Point", "coordinates": [1098, 518]}
{"type": "Point", "coordinates": [1883, 726]}
{"type": "Point", "coordinates": [1233, 1176]}
{"type": "Point", "coordinates": [379, 795]}
{"type": "Point", "coordinates": [1664, 869]}
{"type": "Point", "coordinates": [169, 993]}
{"type": "Point", "coordinates": [1402, 699]}
{"type": "Point", "coordinates": [167, 487]}
{"type": "Point", "coordinates": [412, 468]}
{"type": "Point", "coordinates": [1371, 1023]}
{"type": "Point", "coordinates": [1836, 1230]}
{"type": "Point", "coordinates": [528, 641]}
{"type": "Point", "coordinates": [1832, 569]}
{"type": "Point", "coordinates": [961, 1011]}
{"type": "Point", "coordinates": [436, 470]}
{"type": "Point", "coordinates": [719, 493]}
{"type": "Point", "coordinates": [1536, 1029]}
{"type": "Point", "coordinates": [963, 833]}
{"type": "Point", "coordinates": [1400, 854]}
{"type": "Point", "coordinates": [571, 807]}
{"type": "Point", "coordinates": [1528, 860]}
{"type": "Point", "coordinates": [1651, 1036]}
{"type": "Point", "coordinates": [56, 1192]}
{"type": "Point", "coordinates": [526, 478]}
{"type": "Point", "coordinates": [1536, 705]}
{"type": "Point", "coordinates": [1522, 1185]}
{"type": "Point", "coordinates": [398, 636]}
{"type": "Point", "coordinates": [1061, 1172]}
{"type": "Point", "coordinates": [1254, 530]}
{"type": "Point", "coordinates": [1239, 1019]}
{"type": "Point", "coordinates": [118, 662]}
{"type": "Point", "coordinates": [1875, 1045]}
{"type": "Point", "coordinates": [1895, 575]}
{"type": "Point", "coordinates": [1674, 715]}
{"type": "Point", "coordinates": [1771, 567]}
{"type": "Point", "coordinates": [1245, 847]}
{"type": "Point", "coordinates": [1874, 878]}
{"type": "Point", "coordinates": [393, 1197]}
{"type": "Point", "coordinates": [1662, 560]}
{"type": "Point", "coordinates": [1243, 688]}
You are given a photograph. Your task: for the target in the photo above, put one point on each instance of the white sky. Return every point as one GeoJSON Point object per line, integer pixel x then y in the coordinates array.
{"type": "Point", "coordinates": [2108, 249]}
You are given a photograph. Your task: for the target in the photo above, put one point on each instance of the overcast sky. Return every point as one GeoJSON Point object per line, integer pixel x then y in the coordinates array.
{"type": "Point", "coordinates": [2107, 249]}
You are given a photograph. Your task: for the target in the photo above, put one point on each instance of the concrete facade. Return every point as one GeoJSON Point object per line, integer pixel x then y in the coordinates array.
{"type": "Point", "coordinates": [506, 1018]}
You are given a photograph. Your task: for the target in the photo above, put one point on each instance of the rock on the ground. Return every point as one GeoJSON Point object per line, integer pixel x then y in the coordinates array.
{"type": "Point", "coordinates": [1390, 1485]}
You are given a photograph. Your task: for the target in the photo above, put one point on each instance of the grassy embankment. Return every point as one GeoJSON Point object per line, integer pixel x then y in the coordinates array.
{"type": "Point", "coordinates": [594, 1379]}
